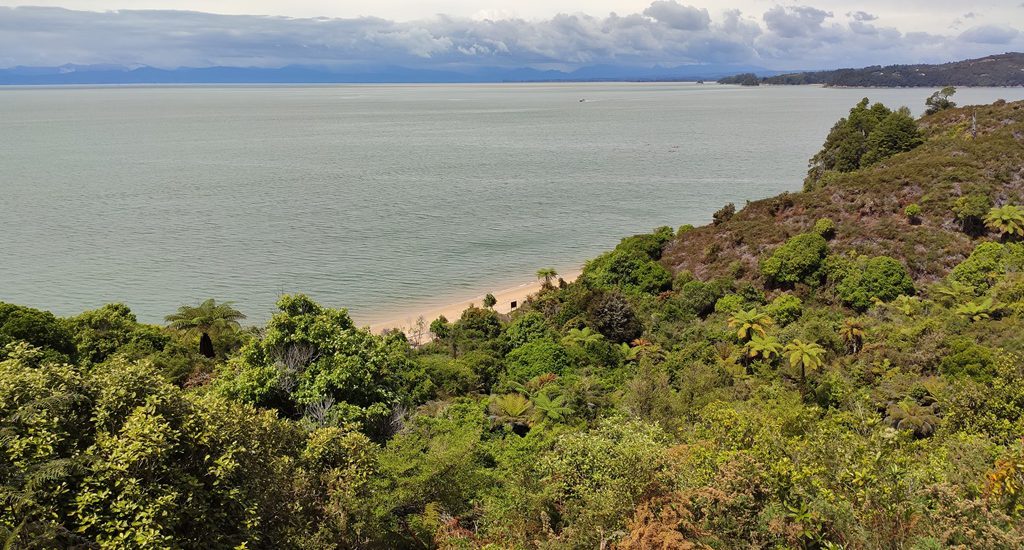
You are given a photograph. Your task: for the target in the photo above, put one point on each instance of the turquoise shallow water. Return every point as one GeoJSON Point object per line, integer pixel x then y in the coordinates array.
{"type": "Point", "coordinates": [374, 198]}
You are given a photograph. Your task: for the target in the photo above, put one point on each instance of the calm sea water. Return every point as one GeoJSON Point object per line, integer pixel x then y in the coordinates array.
{"type": "Point", "coordinates": [375, 198]}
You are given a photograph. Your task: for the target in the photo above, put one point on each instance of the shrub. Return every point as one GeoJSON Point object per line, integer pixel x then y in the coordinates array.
{"type": "Point", "coordinates": [970, 211]}
{"type": "Point", "coordinates": [38, 328]}
{"type": "Point", "coordinates": [913, 213]}
{"type": "Point", "coordinates": [796, 261]}
{"type": "Point", "coordinates": [987, 262]}
{"type": "Point", "coordinates": [681, 278]}
{"type": "Point", "coordinates": [630, 270]}
{"type": "Point", "coordinates": [699, 297]}
{"type": "Point", "coordinates": [612, 316]}
{"type": "Point", "coordinates": [881, 278]}
{"type": "Point", "coordinates": [534, 359]}
{"type": "Point", "coordinates": [526, 329]}
{"type": "Point", "coordinates": [724, 214]}
{"type": "Point", "coordinates": [785, 309]}
{"type": "Point", "coordinates": [825, 227]}
{"type": "Point", "coordinates": [965, 358]}
{"type": "Point", "coordinates": [730, 303]}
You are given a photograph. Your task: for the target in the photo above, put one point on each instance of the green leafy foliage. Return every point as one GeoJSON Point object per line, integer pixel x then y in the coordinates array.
{"type": "Point", "coordinates": [881, 278]}
{"type": "Point", "coordinates": [799, 260]}
{"type": "Point", "coordinates": [939, 101]}
{"type": "Point", "coordinates": [534, 359]}
{"type": "Point", "coordinates": [309, 355]}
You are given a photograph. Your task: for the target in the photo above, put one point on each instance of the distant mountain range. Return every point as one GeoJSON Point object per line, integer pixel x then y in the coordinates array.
{"type": "Point", "coordinates": [995, 70]}
{"type": "Point", "coordinates": [116, 74]}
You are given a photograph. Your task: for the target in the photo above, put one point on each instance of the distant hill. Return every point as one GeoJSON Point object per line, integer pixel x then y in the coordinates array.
{"type": "Point", "coordinates": [294, 74]}
{"type": "Point", "coordinates": [995, 70]}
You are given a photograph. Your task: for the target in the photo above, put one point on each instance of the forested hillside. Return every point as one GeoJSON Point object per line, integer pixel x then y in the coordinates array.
{"type": "Point", "coordinates": [835, 368]}
{"type": "Point", "coordinates": [995, 70]}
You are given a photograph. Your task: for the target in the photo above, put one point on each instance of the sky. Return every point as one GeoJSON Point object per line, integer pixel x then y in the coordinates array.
{"type": "Point", "coordinates": [541, 34]}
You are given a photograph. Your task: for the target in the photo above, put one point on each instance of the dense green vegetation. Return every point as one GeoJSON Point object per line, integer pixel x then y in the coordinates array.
{"type": "Point", "coordinates": [836, 368]}
{"type": "Point", "coordinates": [995, 70]}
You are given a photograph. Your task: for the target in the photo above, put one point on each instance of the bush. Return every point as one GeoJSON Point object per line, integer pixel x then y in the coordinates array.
{"type": "Point", "coordinates": [796, 261]}
{"type": "Point", "coordinates": [912, 212]}
{"type": "Point", "coordinates": [970, 211]}
{"type": "Point", "coordinates": [526, 329]}
{"type": "Point", "coordinates": [987, 262]}
{"type": "Point", "coordinates": [881, 277]}
{"type": "Point", "coordinates": [825, 227]}
{"type": "Point", "coordinates": [535, 358]}
{"type": "Point", "coordinates": [38, 328]}
{"type": "Point", "coordinates": [965, 358]}
{"type": "Point", "coordinates": [724, 214]}
{"type": "Point", "coordinates": [681, 279]}
{"type": "Point", "coordinates": [612, 316]}
{"type": "Point", "coordinates": [730, 303]}
{"type": "Point", "coordinates": [785, 309]}
{"type": "Point", "coordinates": [699, 298]}
{"type": "Point", "coordinates": [631, 268]}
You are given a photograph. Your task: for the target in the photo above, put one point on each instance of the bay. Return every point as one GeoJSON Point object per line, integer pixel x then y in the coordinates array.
{"type": "Point", "coordinates": [375, 198]}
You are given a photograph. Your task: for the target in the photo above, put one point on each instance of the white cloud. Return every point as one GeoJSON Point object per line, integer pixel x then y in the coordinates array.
{"type": "Point", "coordinates": [664, 32]}
{"type": "Point", "coordinates": [678, 16]}
{"type": "Point", "coordinates": [990, 34]}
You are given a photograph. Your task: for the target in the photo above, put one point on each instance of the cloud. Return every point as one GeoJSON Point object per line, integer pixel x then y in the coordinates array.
{"type": "Point", "coordinates": [678, 16]}
{"type": "Point", "coordinates": [795, 21]}
{"type": "Point", "coordinates": [990, 34]}
{"type": "Point", "coordinates": [862, 16]}
{"type": "Point", "coordinates": [666, 33]}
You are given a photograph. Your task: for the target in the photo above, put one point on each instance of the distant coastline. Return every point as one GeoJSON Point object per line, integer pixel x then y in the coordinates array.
{"type": "Point", "coordinates": [994, 71]}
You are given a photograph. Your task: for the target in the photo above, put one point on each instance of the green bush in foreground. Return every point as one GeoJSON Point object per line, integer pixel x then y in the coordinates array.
{"type": "Point", "coordinates": [796, 261]}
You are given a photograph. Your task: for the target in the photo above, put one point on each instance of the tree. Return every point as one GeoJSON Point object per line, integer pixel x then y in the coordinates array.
{"type": "Point", "coordinates": [896, 133]}
{"type": "Point", "coordinates": [940, 101]}
{"type": "Point", "coordinates": [951, 292]}
{"type": "Point", "coordinates": [548, 274]}
{"type": "Point", "coordinates": [807, 356]}
{"type": "Point", "coordinates": [513, 409]}
{"type": "Point", "coordinates": [748, 323]}
{"type": "Point", "coordinates": [583, 337]}
{"type": "Point", "coordinates": [207, 320]}
{"type": "Point", "coordinates": [908, 415]}
{"type": "Point", "coordinates": [765, 347]}
{"type": "Point", "coordinates": [38, 328]}
{"type": "Point", "coordinates": [853, 333]}
{"type": "Point", "coordinates": [978, 311]}
{"type": "Point", "coordinates": [846, 143]}
{"type": "Point", "coordinates": [970, 211]}
{"type": "Point", "coordinates": [490, 301]}
{"type": "Point", "coordinates": [548, 407]}
{"type": "Point", "coordinates": [309, 353]}
{"type": "Point", "coordinates": [1007, 220]}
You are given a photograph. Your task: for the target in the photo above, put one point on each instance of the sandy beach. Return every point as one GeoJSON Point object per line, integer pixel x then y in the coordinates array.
{"type": "Point", "coordinates": [518, 294]}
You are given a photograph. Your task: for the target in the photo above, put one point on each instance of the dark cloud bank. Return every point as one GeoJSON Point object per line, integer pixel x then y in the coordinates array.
{"type": "Point", "coordinates": [665, 36]}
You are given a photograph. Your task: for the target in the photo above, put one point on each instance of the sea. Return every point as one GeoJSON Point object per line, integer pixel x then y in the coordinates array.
{"type": "Point", "coordinates": [376, 198]}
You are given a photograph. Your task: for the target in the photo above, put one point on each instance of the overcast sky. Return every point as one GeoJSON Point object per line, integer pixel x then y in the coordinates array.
{"type": "Point", "coordinates": [561, 34]}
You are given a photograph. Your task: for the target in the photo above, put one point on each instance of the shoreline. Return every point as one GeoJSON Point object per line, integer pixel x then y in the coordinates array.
{"type": "Point", "coordinates": [407, 322]}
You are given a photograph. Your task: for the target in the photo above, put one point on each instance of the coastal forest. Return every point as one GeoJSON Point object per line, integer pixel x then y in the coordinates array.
{"type": "Point", "coordinates": [836, 368]}
{"type": "Point", "coordinates": [995, 70]}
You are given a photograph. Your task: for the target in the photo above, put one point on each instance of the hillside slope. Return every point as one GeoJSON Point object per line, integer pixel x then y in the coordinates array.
{"type": "Point", "coordinates": [868, 206]}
